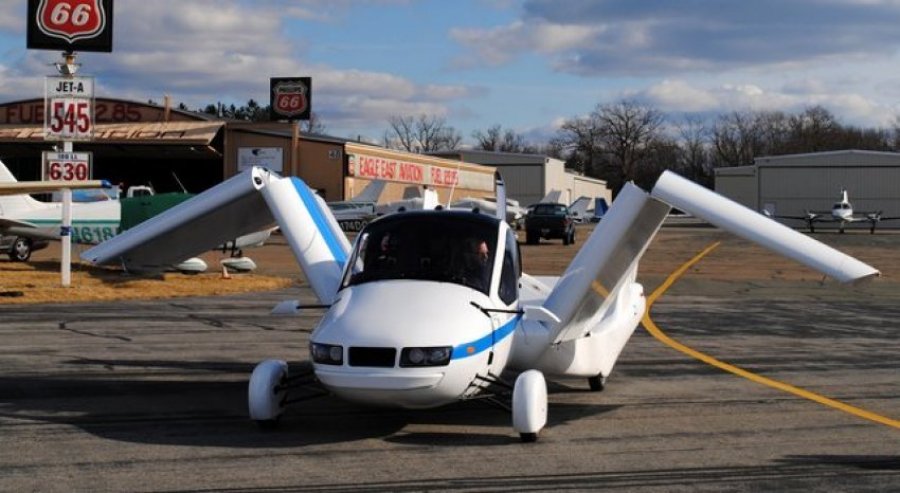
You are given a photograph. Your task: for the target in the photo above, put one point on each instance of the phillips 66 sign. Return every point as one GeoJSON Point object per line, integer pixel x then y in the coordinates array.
{"type": "Point", "coordinates": [70, 25]}
{"type": "Point", "coordinates": [290, 98]}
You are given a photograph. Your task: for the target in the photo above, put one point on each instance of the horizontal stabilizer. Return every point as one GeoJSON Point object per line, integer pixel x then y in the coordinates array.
{"type": "Point", "coordinates": [231, 209]}
{"type": "Point", "coordinates": [750, 225]}
{"type": "Point", "coordinates": [26, 187]}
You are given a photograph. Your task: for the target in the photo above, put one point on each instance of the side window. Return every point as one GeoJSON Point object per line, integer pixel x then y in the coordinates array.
{"type": "Point", "coordinates": [509, 276]}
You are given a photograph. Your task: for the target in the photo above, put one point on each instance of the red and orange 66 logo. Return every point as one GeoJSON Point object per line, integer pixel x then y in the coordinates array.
{"type": "Point", "coordinates": [290, 98]}
{"type": "Point", "coordinates": [71, 19]}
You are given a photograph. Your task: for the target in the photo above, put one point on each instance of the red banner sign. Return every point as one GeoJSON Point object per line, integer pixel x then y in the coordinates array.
{"type": "Point", "coordinates": [388, 169]}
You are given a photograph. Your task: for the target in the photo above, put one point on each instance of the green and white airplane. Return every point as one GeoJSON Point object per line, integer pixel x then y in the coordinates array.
{"type": "Point", "coordinates": [27, 224]}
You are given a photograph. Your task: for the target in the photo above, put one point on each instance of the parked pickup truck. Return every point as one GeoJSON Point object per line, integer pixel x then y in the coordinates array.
{"type": "Point", "coordinates": [548, 220]}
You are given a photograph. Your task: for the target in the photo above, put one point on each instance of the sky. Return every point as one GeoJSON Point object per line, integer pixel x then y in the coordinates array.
{"type": "Point", "coordinates": [526, 65]}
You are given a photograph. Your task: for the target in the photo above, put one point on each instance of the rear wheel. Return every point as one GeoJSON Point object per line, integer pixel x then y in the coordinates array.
{"type": "Point", "coordinates": [597, 382]}
{"type": "Point", "coordinates": [20, 250]}
{"type": "Point", "coordinates": [531, 237]}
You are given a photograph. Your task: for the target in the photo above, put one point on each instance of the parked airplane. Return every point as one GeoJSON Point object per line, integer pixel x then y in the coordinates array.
{"type": "Point", "coordinates": [27, 224]}
{"type": "Point", "coordinates": [354, 214]}
{"type": "Point", "coordinates": [842, 213]}
{"type": "Point", "coordinates": [515, 214]}
{"type": "Point", "coordinates": [431, 307]}
{"type": "Point", "coordinates": [19, 248]}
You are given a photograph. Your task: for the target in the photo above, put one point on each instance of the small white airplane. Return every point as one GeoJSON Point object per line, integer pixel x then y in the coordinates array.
{"type": "Point", "coordinates": [431, 307]}
{"type": "Point", "coordinates": [27, 224]}
{"type": "Point", "coordinates": [354, 214]}
{"type": "Point", "coordinates": [32, 223]}
{"type": "Point", "coordinates": [842, 213]}
{"type": "Point", "coordinates": [515, 213]}
{"type": "Point", "coordinates": [414, 199]}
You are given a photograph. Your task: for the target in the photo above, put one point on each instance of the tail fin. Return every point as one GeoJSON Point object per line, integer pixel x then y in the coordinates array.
{"type": "Point", "coordinates": [500, 188]}
{"type": "Point", "coordinates": [552, 197]}
{"type": "Point", "coordinates": [5, 175]}
{"type": "Point", "coordinates": [580, 207]}
{"type": "Point", "coordinates": [371, 193]}
{"type": "Point", "coordinates": [430, 199]}
{"type": "Point", "coordinates": [600, 207]}
{"type": "Point", "coordinates": [11, 204]}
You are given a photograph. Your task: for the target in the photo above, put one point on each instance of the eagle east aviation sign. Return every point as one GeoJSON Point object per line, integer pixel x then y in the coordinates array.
{"type": "Point", "coordinates": [70, 25]}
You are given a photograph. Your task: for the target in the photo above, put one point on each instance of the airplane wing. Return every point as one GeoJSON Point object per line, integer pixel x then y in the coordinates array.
{"type": "Point", "coordinates": [251, 201]}
{"type": "Point", "coordinates": [15, 227]}
{"type": "Point", "coordinates": [29, 187]}
{"type": "Point", "coordinates": [608, 261]}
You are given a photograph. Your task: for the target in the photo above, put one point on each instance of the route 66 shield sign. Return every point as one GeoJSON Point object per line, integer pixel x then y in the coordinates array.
{"type": "Point", "coordinates": [290, 98]}
{"type": "Point", "coordinates": [70, 25]}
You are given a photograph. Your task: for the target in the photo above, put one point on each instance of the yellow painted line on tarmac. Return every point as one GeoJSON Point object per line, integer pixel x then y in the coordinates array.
{"type": "Point", "coordinates": [662, 337]}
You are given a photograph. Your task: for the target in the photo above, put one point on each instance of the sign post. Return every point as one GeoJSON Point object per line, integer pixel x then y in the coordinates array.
{"type": "Point", "coordinates": [68, 25]}
{"type": "Point", "coordinates": [290, 98]}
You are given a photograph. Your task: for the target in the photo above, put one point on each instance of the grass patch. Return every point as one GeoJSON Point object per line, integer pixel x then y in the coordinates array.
{"type": "Point", "coordinates": [40, 282]}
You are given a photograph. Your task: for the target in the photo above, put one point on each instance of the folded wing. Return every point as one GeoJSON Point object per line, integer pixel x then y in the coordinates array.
{"type": "Point", "coordinates": [606, 265]}
{"type": "Point", "coordinates": [249, 202]}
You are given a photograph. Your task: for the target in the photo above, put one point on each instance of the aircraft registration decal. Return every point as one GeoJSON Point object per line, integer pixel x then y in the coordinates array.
{"type": "Point", "coordinates": [86, 231]}
{"type": "Point", "coordinates": [312, 205]}
{"type": "Point", "coordinates": [472, 348]}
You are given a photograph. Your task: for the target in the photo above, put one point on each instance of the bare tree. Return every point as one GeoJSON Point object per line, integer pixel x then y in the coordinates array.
{"type": "Point", "coordinates": [736, 139]}
{"type": "Point", "coordinates": [694, 161]}
{"type": "Point", "coordinates": [314, 125]}
{"type": "Point", "coordinates": [579, 138]}
{"type": "Point", "coordinates": [421, 134]}
{"type": "Point", "coordinates": [499, 140]}
{"type": "Point", "coordinates": [628, 128]}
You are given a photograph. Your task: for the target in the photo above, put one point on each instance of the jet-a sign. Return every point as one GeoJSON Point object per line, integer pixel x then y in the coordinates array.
{"type": "Point", "coordinates": [69, 108]}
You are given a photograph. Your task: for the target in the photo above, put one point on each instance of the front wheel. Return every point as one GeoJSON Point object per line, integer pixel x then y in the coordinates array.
{"type": "Point", "coordinates": [265, 397]}
{"type": "Point", "coordinates": [21, 250]}
{"type": "Point", "coordinates": [529, 405]}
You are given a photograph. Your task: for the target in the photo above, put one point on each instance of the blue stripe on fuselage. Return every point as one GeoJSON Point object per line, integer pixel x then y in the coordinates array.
{"type": "Point", "coordinates": [483, 344]}
{"type": "Point", "coordinates": [312, 205]}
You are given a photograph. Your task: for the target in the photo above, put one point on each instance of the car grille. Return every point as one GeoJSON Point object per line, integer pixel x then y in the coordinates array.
{"type": "Point", "coordinates": [382, 357]}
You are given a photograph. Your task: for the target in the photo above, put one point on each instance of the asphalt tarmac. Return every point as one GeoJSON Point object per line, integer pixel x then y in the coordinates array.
{"type": "Point", "coordinates": [151, 396]}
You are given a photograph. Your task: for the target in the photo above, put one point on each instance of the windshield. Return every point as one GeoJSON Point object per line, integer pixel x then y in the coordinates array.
{"type": "Point", "coordinates": [444, 248]}
{"type": "Point", "coordinates": [550, 210]}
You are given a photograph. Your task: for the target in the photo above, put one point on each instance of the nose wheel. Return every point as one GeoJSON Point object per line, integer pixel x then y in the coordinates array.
{"type": "Point", "coordinates": [529, 405]}
{"type": "Point", "coordinates": [266, 393]}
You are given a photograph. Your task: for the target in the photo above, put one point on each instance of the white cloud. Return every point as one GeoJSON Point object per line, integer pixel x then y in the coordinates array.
{"type": "Point", "coordinates": [203, 51]}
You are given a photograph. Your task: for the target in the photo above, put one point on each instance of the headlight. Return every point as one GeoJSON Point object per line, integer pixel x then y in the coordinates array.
{"type": "Point", "coordinates": [425, 356]}
{"type": "Point", "coordinates": [326, 354]}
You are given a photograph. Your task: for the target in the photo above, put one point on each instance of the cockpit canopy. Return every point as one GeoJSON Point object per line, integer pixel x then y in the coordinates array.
{"type": "Point", "coordinates": [457, 247]}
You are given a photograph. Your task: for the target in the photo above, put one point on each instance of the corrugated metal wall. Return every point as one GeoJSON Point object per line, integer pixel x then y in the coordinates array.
{"type": "Point", "coordinates": [794, 184]}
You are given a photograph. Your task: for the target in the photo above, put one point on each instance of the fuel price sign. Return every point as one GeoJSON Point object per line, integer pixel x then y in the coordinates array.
{"type": "Point", "coordinates": [67, 166]}
{"type": "Point", "coordinates": [69, 108]}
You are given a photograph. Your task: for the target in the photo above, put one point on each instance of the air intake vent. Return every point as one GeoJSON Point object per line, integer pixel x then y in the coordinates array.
{"type": "Point", "coordinates": [381, 357]}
